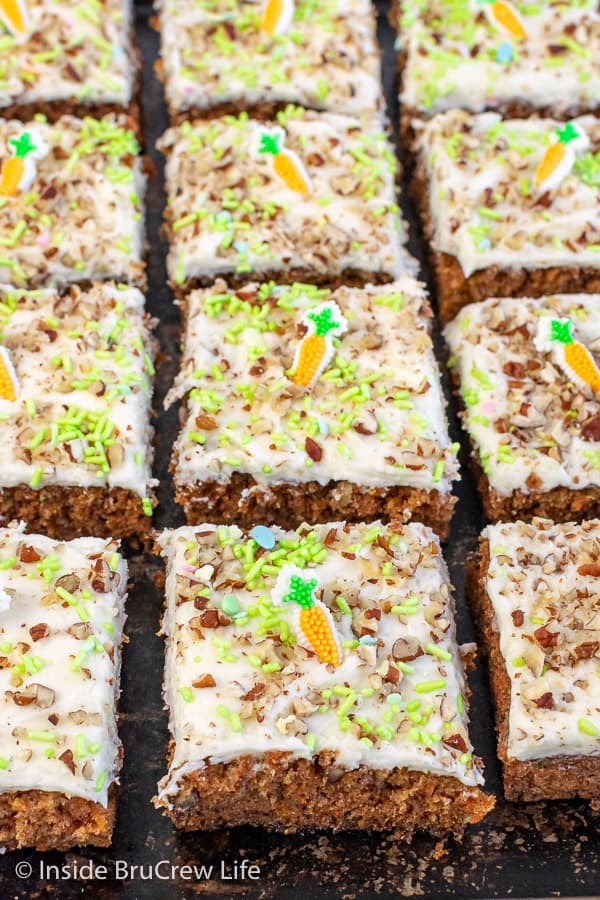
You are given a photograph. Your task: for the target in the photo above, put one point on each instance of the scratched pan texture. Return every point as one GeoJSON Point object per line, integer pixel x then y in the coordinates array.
{"type": "Point", "coordinates": [539, 850]}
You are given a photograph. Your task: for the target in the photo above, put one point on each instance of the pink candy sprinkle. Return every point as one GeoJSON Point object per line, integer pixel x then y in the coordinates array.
{"type": "Point", "coordinates": [489, 406]}
{"type": "Point", "coordinates": [43, 239]}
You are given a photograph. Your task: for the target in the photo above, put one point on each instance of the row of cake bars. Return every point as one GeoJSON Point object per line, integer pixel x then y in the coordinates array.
{"type": "Point", "coordinates": [313, 677]}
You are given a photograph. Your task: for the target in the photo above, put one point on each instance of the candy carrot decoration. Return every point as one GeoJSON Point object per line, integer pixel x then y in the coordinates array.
{"type": "Point", "coordinates": [14, 15]}
{"type": "Point", "coordinates": [316, 348]}
{"type": "Point", "coordinates": [286, 164]}
{"type": "Point", "coordinates": [572, 356]}
{"type": "Point", "coordinates": [277, 16]}
{"type": "Point", "coordinates": [19, 171]}
{"type": "Point", "coordinates": [9, 386]}
{"type": "Point", "coordinates": [315, 622]}
{"type": "Point", "coordinates": [559, 158]}
{"type": "Point", "coordinates": [503, 14]}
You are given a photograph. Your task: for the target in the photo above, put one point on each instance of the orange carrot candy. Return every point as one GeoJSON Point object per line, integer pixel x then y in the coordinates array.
{"type": "Point", "coordinates": [503, 15]}
{"type": "Point", "coordinates": [9, 384]}
{"type": "Point", "coordinates": [574, 358]}
{"type": "Point", "coordinates": [559, 158]}
{"type": "Point", "coordinates": [316, 348]}
{"type": "Point", "coordinates": [19, 171]}
{"type": "Point", "coordinates": [285, 163]}
{"type": "Point", "coordinates": [314, 621]}
{"type": "Point", "coordinates": [14, 15]}
{"type": "Point", "coordinates": [277, 16]}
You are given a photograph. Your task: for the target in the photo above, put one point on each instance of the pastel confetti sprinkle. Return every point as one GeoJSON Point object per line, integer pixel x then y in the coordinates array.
{"type": "Point", "coordinates": [504, 53]}
{"type": "Point", "coordinates": [263, 536]}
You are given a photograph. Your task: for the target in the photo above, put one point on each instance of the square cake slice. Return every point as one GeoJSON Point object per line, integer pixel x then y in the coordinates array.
{"type": "Point", "coordinates": [65, 57]}
{"type": "Point", "coordinates": [309, 197]}
{"type": "Point", "coordinates": [75, 400]}
{"type": "Point", "coordinates": [535, 590]}
{"type": "Point", "coordinates": [313, 680]}
{"type": "Point", "coordinates": [70, 202]}
{"type": "Point", "coordinates": [227, 57]}
{"type": "Point", "coordinates": [303, 404]}
{"type": "Point", "coordinates": [62, 609]}
{"type": "Point", "coordinates": [510, 207]}
{"type": "Point", "coordinates": [539, 57]}
{"type": "Point", "coordinates": [529, 379]}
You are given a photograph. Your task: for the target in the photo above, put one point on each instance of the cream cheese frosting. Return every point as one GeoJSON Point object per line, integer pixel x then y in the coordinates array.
{"type": "Point", "coordinates": [74, 52]}
{"type": "Point", "coordinates": [375, 416]}
{"type": "Point", "coordinates": [60, 656]}
{"type": "Point", "coordinates": [216, 53]}
{"type": "Point", "coordinates": [83, 367]}
{"type": "Point", "coordinates": [543, 582]}
{"type": "Point", "coordinates": [82, 217]}
{"type": "Point", "coordinates": [231, 212]}
{"type": "Point", "coordinates": [484, 208]}
{"type": "Point", "coordinates": [534, 426]}
{"type": "Point", "coordinates": [456, 57]}
{"type": "Point", "coordinates": [241, 680]}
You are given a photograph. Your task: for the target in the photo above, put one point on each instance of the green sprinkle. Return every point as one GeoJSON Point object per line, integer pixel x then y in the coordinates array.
{"type": "Point", "coordinates": [36, 478]}
{"type": "Point", "coordinates": [230, 605]}
{"type": "Point", "coordinates": [187, 694]}
{"type": "Point", "coordinates": [587, 727]}
{"type": "Point", "coordinates": [100, 781]}
{"type": "Point", "coordinates": [427, 687]}
{"type": "Point", "coordinates": [435, 650]}
{"type": "Point", "coordinates": [342, 605]}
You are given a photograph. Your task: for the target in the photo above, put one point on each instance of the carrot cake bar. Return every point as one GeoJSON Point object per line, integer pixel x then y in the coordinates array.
{"type": "Point", "coordinates": [310, 197]}
{"type": "Point", "coordinates": [510, 207]}
{"type": "Point", "coordinates": [66, 57]}
{"type": "Point", "coordinates": [535, 591]}
{"type": "Point", "coordinates": [303, 404]}
{"type": "Point", "coordinates": [313, 679]}
{"type": "Point", "coordinates": [70, 202]}
{"type": "Point", "coordinates": [227, 56]}
{"type": "Point", "coordinates": [529, 378]}
{"type": "Point", "coordinates": [75, 395]}
{"type": "Point", "coordinates": [61, 623]}
{"type": "Point", "coordinates": [516, 58]}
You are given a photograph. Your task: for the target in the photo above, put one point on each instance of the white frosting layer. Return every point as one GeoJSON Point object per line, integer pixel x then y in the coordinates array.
{"type": "Point", "coordinates": [85, 353]}
{"type": "Point", "coordinates": [550, 574]}
{"type": "Point", "coordinates": [483, 205]}
{"type": "Point", "coordinates": [533, 427]}
{"type": "Point", "coordinates": [230, 212]}
{"type": "Point", "coordinates": [455, 57]}
{"type": "Point", "coordinates": [214, 53]}
{"type": "Point", "coordinates": [76, 51]}
{"type": "Point", "coordinates": [59, 664]}
{"type": "Point", "coordinates": [375, 417]}
{"type": "Point", "coordinates": [267, 692]}
{"type": "Point", "coordinates": [82, 218]}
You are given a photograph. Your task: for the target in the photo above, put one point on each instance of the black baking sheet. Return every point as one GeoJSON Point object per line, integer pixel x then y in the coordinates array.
{"type": "Point", "coordinates": [534, 850]}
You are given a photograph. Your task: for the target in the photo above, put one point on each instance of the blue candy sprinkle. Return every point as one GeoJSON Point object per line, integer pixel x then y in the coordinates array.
{"type": "Point", "coordinates": [367, 639]}
{"type": "Point", "coordinates": [504, 53]}
{"type": "Point", "coordinates": [323, 427]}
{"type": "Point", "coordinates": [263, 536]}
